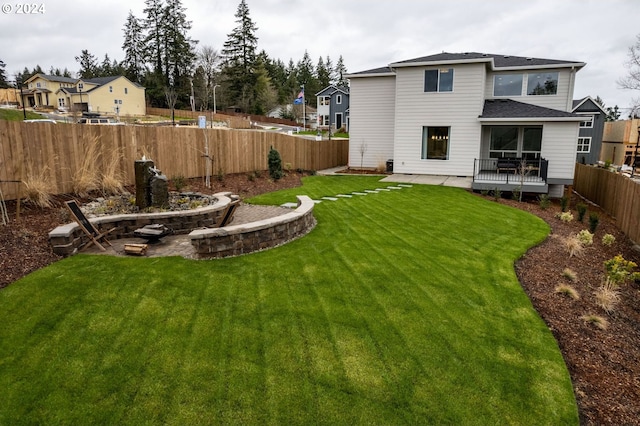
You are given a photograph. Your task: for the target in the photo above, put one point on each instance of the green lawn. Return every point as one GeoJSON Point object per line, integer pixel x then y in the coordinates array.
{"type": "Point", "coordinates": [18, 115]}
{"type": "Point", "coordinates": [400, 307]}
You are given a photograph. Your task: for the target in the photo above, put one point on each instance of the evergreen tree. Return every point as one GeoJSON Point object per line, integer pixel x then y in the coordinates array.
{"type": "Point", "coordinates": [340, 72]}
{"type": "Point", "coordinates": [265, 95]}
{"type": "Point", "coordinates": [88, 65]}
{"type": "Point", "coordinates": [153, 42]}
{"type": "Point", "coordinates": [328, 64]}
{"type": "Point", "coordinates": [133, 47]}
{"type": "Point", "coordinates": [3, 76]}
{"type": "Point", "coordinates": [306, 76]}
{"type": "Point", "coordinates": [105, 69]}
{"type": "Point", "coordinates": [179, 51]}
{"type": "Point", "coordinates": [239, 55]}
{"type": "Point", "coordinates": [323, 74]}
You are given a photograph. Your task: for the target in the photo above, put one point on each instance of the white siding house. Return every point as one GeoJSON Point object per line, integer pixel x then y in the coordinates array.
{"type": "Point", "coordinates": [506, 121]}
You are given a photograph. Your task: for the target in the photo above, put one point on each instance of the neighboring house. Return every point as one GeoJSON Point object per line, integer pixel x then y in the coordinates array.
{"type": "Point", "coordinates": [591, 130]}
{"type": "Point", "coordinates": [620, 142]}
{"type": "Point", "coordinates": [505, 121]}
{"type": "Point", "coordinates": [311, 115]}
{"type": "Point", "coordinates": [110, 95]}
{"type": "Point", "coordinates": [333, 107]}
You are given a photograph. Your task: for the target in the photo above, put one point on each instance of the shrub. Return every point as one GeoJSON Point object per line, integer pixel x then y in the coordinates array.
{"type": "Point", "coordinates": [596, 320]}
{"type": "Point", "coordinates": [220, 175]}
{"type": "Point", "coordinates": [567, 290]}
{"type": "Point", "coordinates": [38, 189]}
{"type": "Point", "coordinates": [570, 274]}
{"type": "Point", "coordinates": [618, 271]}
{"type": "Point", "coordinates": [275, 164]}
{"type": "Point", "coordinates": [581, 208]}
{"type": "Point", "coordinates": [544, 202]}
{"type": "Point", "coordinates": [112, 178]}
{"type": "Point", "coordinates": [484, 192]}
{"type": "Point", "coordinates": [515, 193]}
{"type": "Point", "coordinates": [497, 193]}
{"type": "Point", "coordinates": [607, 298]}
{"type": "Point", "coordinates": [608, 239]}
{"type": "Point", "coordinates": [564, 203]}
{"type": "Point", "coordinates": [86, 178]}
{"type": "Point", "coordinates": [251, 177]}
{"type": "Point", "coordinates": [566, 217]}
{"type": "Point", "coordinates": [179, 182]}
{"type": "Point", "coordinates": [594, 219]}
{"type": "Point", "coordinates": [585, 237]}
{"type": "Point", "coordinates": [573, 245]}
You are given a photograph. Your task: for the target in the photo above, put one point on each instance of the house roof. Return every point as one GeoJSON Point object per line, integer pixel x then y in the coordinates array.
{"type": "Point", "coordinates": [577, 103]}
{"type": "Point", "coordinates": [331, 89]}
{"type": "Point", "coordinates": [497, 61]}
{"type": "Point", "coordinates": [100, 81]}
{"type": "Point", "coordinates": [56, 78]}
{"type": "Point", "coordinates": [510, 110]}
{"type": "Point", "coordinates": [375, 72]}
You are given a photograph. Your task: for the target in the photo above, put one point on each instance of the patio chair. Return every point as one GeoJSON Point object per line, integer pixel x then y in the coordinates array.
{"type": "Point", "coordinates": [227, 215]}
{"type": "Point", "coordinates": [95, 236]}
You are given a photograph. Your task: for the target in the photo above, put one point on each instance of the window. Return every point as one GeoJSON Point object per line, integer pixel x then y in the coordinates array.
{"type": "Point", "coordinates": [126, 90]}
{"type": "Point", "coordinates": [110, 89]}
{"type": "Point", "coordinates": [507, 85]}
{"type": "Point", "coordinates": [324, 100]}
{"type": "Point", "coordinates": [324, 120]}
{"type": "Point", "coordinates": [60, 102]}
{"type": "Point", "coordinates": [584, 144]}
{"type": "Point", "coordinates": [38, 85]}
{"type": "Point", "coordinates": [507, 141]}
{"type": "Point", "coordinates": [338, 99]}
{"type": "Point", "coordinates": [587, 123]}
{"type": "Point", "coordinates": [440, 80]}
{"type": "Point", "coordinates": [542, 84]}
{"type": "Point", "coordinates": [435, 143]}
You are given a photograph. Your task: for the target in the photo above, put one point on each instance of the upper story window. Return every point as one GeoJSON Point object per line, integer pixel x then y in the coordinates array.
{"type": "Point", "coordinates": [338, 99]}
{"type": "Point", "coordinates": [507, 85]}
{"type": "Point", "coordinates": [440, 80]}
{"type": "Point", "coordinates": [584, 144]}
{"type": "Point", "coordinates": [126, 90]}
{"type": "Point", "coordinates": [545, 83]}
{"type": "Point", "coordinates": [38, 85]}
{"type": "Point", "coordinates": [324, 100]}
{"type": "Point", "coordinates": [110, 89]}
{"type": "Point", "coordinates": [587, 123]}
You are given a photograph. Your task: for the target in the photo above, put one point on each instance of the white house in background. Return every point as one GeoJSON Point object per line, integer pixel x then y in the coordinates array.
{"type": "Point", "coordinates": [505, 121]}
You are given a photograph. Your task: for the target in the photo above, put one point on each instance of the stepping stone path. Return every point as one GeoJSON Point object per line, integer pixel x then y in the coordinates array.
{"type": "Point", "coordinates": [366, 192]}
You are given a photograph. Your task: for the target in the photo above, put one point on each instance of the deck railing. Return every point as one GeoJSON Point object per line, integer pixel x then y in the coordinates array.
{"type": "Point", "coordinates": [510, 170]}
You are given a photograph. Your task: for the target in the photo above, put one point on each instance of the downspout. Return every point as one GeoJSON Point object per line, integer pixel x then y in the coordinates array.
{"type": "Point", "coordinates": [572, 82]}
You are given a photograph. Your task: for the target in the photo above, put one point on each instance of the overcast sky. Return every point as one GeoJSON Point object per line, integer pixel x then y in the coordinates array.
{"type": "Point", "coordinates": [367, 33]}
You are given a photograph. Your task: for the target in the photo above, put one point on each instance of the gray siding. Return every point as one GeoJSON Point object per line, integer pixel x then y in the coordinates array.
{"type": "Point", "coordinates": [561, 101]}
{"type": "Point", "coordinates": [595, 132]}
{"type": "Point", "coordinates": [371, 123]}
{"type": "Point", "coordinates": [459, 110]}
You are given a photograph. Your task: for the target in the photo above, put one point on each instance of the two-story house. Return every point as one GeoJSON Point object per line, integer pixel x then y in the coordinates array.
{"type": "Point", "coordinates": [505, 121]}
{"type": "Point", "coordinates": [333, 107]}
{"type": "Point", "coordinates": [110, 95]}
{"type": "Point", "coordinates": [591, 129]}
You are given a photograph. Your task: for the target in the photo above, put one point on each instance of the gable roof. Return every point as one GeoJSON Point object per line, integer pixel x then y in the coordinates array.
{"type": "Point", "coordinates": [508, 109]}
{"type": "Point", "coordinates": [56, 78]}
{"type": "Point", "coordinates": [331, 89]}
{"type": "Point", "coordinates": [497, 62]}
{"type": "Point", "coordinates": [586, 101]}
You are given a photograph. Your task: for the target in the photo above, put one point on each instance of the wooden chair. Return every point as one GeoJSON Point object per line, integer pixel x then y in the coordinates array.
{"type": "Point", "coordinates": [227, 216]}
{"type": "Point", "coordinates": [91, 231]}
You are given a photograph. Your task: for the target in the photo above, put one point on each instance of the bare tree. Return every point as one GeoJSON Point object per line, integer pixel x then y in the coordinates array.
{"type": "Point", "coordinates": [363, 149]}
{"type": "Point", "coordinates": [632, 79]}
{"type": "Point", "coordinates": [208, 61]}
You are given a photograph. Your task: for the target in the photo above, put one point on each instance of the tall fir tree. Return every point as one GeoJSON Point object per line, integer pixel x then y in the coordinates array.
{"type": "Point", "coordinates": [306, 76]}
{"type": "Point", "coordinates": [239, 53]}
{"type": "Point", "coordinates": [340, 72]}
{"type": "Point", "coordinates": [88, 65]}
{"type": "Point", "coordinates": [323, 74]}
{"type": "Point", "coordinates": [180, 54]}
{"type": "Point", "coordinates": [4, 83]}
{"type": "Point", "coordinates": [154, 40]}
{"type": "Point", "coordinates": [133, 47]}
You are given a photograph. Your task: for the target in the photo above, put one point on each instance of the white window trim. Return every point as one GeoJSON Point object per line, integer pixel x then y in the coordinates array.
{"type": "Point", "coordinates": [338, 99]}
{"type": "Point", "coordinates": [588, 120]}
{"type": "Point", "coordinates": [438, 84]}
{"type": "Point", "coordinates": [584, 138]}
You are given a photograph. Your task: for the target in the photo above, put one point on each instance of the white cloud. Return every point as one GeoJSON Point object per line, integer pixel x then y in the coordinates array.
{"type": "Point", "coordinates": [367, 34]}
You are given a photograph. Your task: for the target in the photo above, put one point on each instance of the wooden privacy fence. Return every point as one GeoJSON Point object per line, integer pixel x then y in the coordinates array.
{"type": "Point", "coordinates": [616, 194]}
{"type": "Point", "coordinates": [234, 122]}
{"type": "Point", "coordinates": [58, 152]}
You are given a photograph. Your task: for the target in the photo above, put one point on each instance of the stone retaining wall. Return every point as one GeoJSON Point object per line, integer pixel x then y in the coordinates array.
{"type": "Point", "coordinates": [67, 239]}
{"type": "Point", "coordinates": [250, 237]}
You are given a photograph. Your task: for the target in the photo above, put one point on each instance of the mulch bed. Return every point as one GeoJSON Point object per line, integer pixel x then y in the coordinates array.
{"type": "Point", "coordinates": [604, 364]}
